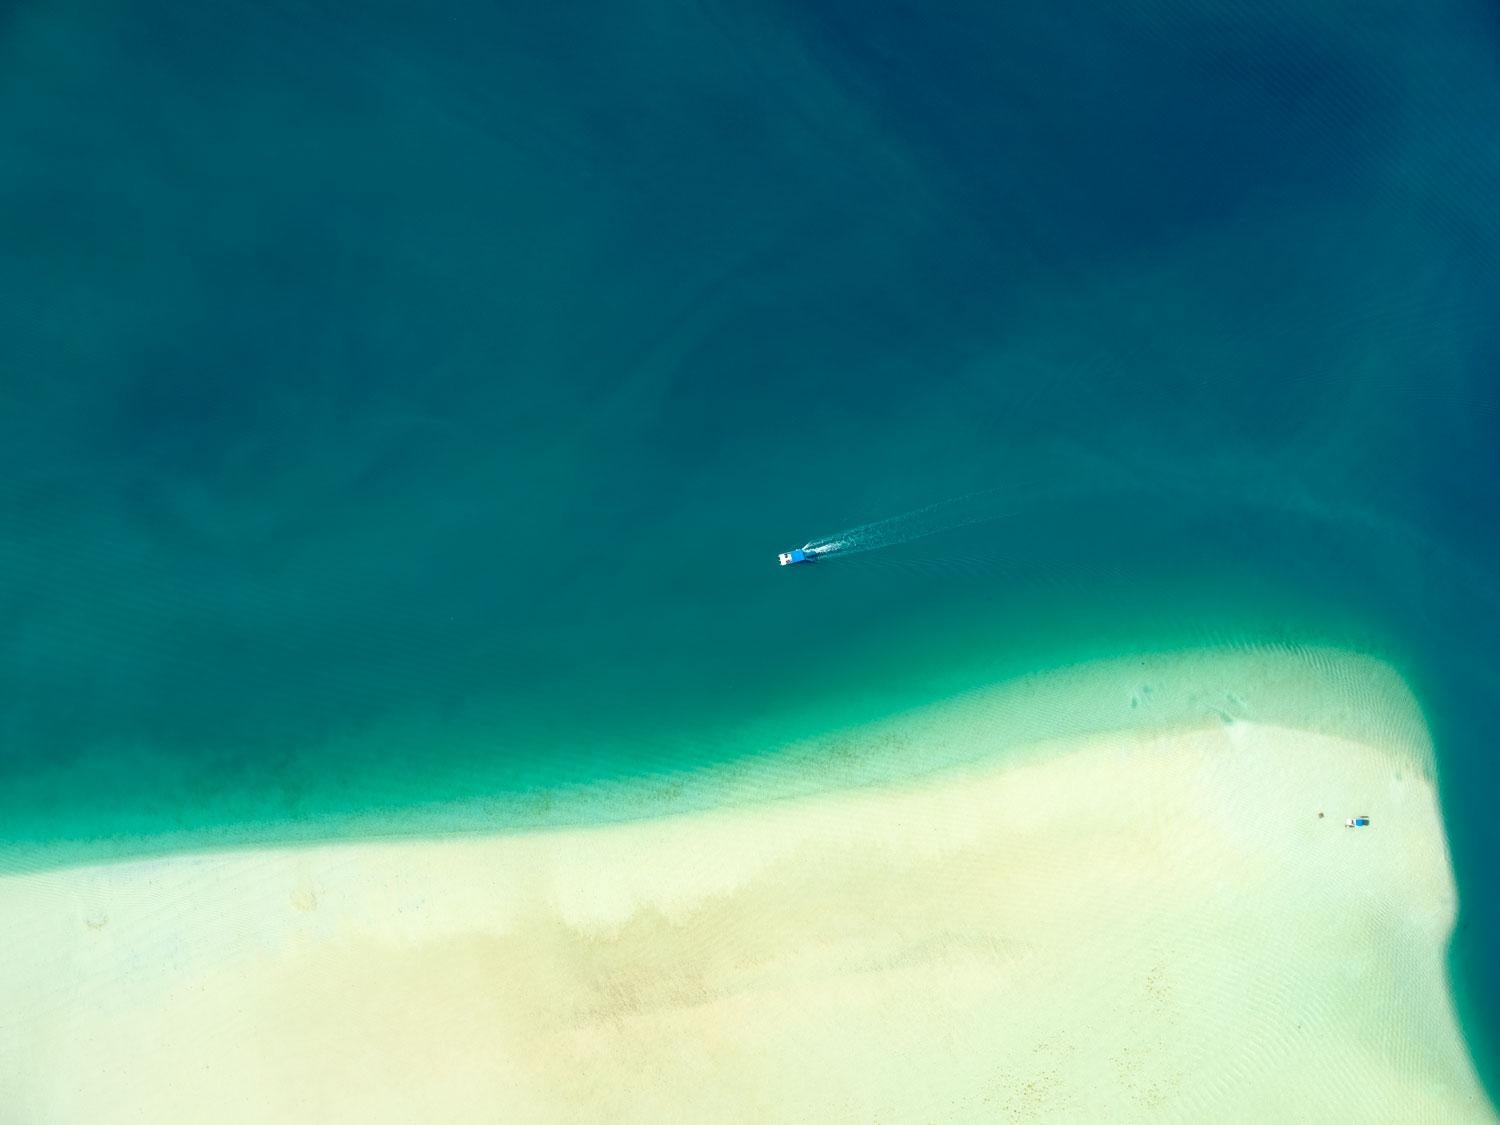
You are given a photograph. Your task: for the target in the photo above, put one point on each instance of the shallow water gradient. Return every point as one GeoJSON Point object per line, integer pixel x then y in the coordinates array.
{"type": "Point", "coordinates": [399, 407]}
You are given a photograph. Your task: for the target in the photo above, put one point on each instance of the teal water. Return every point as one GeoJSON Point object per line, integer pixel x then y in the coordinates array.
{"type": "Point", "coordinates": [397, 408]}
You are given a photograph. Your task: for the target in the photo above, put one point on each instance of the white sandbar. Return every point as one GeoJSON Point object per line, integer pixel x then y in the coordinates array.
{"type": "Point", "coordinates": [1149, 924]}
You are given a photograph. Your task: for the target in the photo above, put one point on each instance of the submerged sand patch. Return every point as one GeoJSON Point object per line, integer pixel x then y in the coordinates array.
{"type": "Point", "coordinates": [1145, 925]}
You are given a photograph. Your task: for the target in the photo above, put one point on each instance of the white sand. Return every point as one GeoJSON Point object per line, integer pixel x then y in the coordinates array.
{"type": "Point", "coordinates": [1135, 926]}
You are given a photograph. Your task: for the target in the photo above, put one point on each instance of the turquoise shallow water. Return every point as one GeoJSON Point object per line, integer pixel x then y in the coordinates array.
{"type": "Point", "coordinates": [398, 408]}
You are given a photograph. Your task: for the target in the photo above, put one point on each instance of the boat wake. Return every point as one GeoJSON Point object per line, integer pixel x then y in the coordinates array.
{"type": "Point", "coordinates": [946, 515]}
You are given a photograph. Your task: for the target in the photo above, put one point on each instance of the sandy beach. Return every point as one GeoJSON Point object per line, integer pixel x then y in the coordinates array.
{"type": "Point", "coordinates": [1144, 924]}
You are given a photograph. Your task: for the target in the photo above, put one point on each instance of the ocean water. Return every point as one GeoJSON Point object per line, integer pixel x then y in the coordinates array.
{"type": "Point", "coordinates": [399, 407]}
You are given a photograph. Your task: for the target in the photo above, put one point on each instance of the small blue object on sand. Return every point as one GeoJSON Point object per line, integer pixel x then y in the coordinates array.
{"type": "Point", "coordinates": [1357, 822]}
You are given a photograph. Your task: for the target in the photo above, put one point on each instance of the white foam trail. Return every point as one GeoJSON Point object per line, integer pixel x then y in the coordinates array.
{"type": "Point", "coordinates": [945, 515]}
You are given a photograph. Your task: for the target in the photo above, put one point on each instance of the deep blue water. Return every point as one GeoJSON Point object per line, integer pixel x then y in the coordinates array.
{"type": "Point", "coordinates": [404, 405]}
